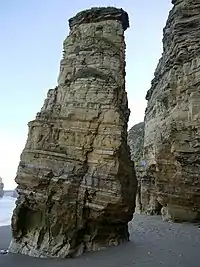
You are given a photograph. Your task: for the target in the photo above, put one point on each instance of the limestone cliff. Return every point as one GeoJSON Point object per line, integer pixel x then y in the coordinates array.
{"type": "Point", "coordinates": [76, 181]}
{"type": "Point", "coordinates": [1, 187]}
{"type": "Point", "coordinates": [172, 120]}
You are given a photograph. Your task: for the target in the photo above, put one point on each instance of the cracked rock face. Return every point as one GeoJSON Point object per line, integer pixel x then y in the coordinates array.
{"type": "Point", "coordinates": [172, 121]}
{"type": "Point", "coordinates": [1, 187]}
{"type": "Point", "coordinates": [76, 181]}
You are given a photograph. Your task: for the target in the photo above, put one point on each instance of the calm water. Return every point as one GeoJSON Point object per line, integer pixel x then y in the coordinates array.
{"type": "Point", "coordinates": [7, 205]}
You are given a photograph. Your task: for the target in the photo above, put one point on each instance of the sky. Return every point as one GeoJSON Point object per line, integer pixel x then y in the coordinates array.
{"type": "Point", "coordinates": [32, 33]}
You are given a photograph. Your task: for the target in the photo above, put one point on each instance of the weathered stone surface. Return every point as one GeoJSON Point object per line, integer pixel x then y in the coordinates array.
{"type": "Point", "coordinates": [76, 180]}
{"type": "Point", "coordinates": [1, 187]}
{"type": "Point", "coordinates": [172, 120]}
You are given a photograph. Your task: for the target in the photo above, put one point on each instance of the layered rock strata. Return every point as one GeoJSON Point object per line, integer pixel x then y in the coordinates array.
{"type": "Point", "coordinates": [76, 181]}
{"type": "Point", "coordinates": [172, 120]}
{"type": "Point", "coordinates": [1, 187]}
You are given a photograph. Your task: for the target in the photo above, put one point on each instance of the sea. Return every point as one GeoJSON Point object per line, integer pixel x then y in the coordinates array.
{"type": "Point", "coordinates": [7, 204]}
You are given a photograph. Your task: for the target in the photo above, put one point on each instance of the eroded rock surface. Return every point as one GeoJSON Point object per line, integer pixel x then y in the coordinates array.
{"type": "Point", "coordinates": [76, 180]}
{"type": "Point", "coordinates": [1, 187]}
{"type": "Point", "coordinates": [172, 121]}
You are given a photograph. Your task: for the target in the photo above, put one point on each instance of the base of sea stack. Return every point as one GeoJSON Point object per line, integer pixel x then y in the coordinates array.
{"type": "Point", "coordinates": [65, 247]}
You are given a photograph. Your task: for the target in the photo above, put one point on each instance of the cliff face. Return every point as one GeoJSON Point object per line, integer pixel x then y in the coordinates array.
{"type": "Point", "coordinates": [1, 187]}
{"type": "Point", "coordinates": [172, 120]}
{"type": "Point", "coordinates": [76, 181]}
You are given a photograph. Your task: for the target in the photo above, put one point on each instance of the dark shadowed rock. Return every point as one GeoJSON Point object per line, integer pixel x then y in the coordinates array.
{"type": "Point", "coordinates": [98, 14]}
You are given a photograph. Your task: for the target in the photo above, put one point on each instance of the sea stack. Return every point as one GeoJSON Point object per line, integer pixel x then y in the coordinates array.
{"type": "Point", "coordinates": [1, 187]}
{"type": "Point", "coordinates": [76, 181]}
{"type": "Point", "coordinates": [172, 120]}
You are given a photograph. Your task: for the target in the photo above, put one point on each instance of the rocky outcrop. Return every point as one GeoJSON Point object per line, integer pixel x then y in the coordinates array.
{"type": "Point", "coordinates": [172, 120]}
{"type": "Point", "coordinates": [1, 187]}
{"type": "Point", "coordinates": [76, 181]}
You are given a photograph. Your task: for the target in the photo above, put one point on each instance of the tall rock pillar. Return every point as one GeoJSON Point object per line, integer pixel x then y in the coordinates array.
{"type": "Point", "coordinates": [76, 181]}
{"type": "Point", "coordinates": [1, 187]}
{"type": "Point", "coordinates": [172, 121]}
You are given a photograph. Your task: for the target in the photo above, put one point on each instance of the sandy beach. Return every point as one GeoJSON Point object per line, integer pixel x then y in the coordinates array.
{"type": "Point", "coordinates": [153, 243]}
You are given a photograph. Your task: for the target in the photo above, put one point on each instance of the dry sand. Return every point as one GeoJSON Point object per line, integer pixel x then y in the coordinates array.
{"type": "Point", "coordinates": [153, 243]}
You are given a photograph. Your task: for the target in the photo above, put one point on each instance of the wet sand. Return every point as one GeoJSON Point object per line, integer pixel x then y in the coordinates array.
{"type": "Point", "coordinates": [153, 243]}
